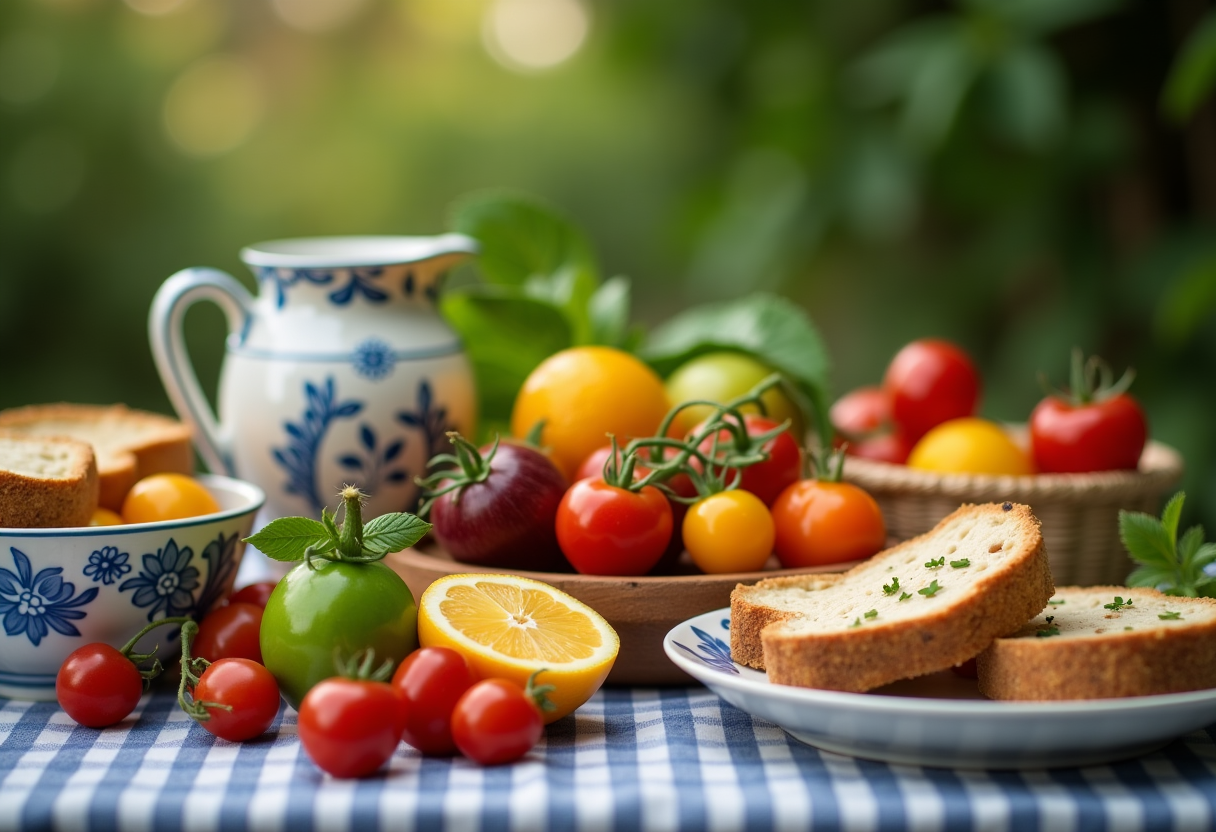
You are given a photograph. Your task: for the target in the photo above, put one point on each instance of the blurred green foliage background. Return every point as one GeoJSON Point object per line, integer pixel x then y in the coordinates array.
{"type": "Point", "coordinates": [1020, 176]}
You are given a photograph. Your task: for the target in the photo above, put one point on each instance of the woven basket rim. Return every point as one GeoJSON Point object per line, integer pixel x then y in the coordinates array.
{"type": "Point", "coordinates": [1160, 467]}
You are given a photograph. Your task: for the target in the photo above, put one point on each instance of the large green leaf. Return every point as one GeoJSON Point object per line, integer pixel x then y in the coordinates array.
{"type": "Point", "coordinates": [505, 336]}
{"type": "Point", "coordinates": [770, 328]}
{"type": "Point", "coordinates": [1194, 72]}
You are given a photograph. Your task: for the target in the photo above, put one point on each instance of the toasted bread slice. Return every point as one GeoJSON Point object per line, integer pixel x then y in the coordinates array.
{"type": "Point", "coordinates": [46, 481]}
{"type": "Point", "coordinates": [979, 574]}
{"type": "Point", "coordinates": [1101, 642]}
{"type": "Point", "coordinates": [129, 444]}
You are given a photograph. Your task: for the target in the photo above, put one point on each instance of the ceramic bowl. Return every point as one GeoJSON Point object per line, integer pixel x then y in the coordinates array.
{"type": "Point", "coordinates": [63, 588]}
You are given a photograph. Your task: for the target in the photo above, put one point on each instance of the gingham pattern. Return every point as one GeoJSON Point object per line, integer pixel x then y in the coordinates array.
{"type": "Point", "coordinates": [640, 759]}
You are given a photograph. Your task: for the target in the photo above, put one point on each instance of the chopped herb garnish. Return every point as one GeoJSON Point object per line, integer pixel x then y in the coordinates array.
{"type": "Point", "coordinates": [934, 564]}
{"type": "Point", "coordinates": [959, 564]}
{"type": "Point", "coordinates": [904, 596]}
{"type": "Point", "coordinates": [1055, 602]}
{"type": "Point", "coordinates": [930, 590]}
{"type": "Point", "coordinates": [872, 614]}
{"type": "Point", "coordinates": [856, 623]}
{"type": "Point", "coordinates": [1047, 631]}
{"type": "Point", "coordinates": [1170, 616]}
{"type": "Point", "coordinates": [1118, 604]}
{"type": "Point", "coordinates": [891, 588]}
{"type": "Point", "coordinates": [1125, 629]}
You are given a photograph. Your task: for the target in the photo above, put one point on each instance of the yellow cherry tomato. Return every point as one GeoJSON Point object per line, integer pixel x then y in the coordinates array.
{"type": "Point", "coordinates": [105, 517]}
{"type": "Point", "coordinates": [970, 446]}
{"type": "Point", "coordinates": [583, 394]}
{"type": "Point", "coordinates": [720, 377]}
{"type": "Point", "coordinates": [167, 497]}
{"type": "Point", "coordinates": [731, 531]}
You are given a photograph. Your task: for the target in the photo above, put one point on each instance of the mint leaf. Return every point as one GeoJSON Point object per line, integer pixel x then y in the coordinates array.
{"type": "Point", "coordinates": [772, 329]}
{"type": "Point", "coordinates": [1145, 539]}
{"type": "Point", "coordinates": [393, 532]}
{"type": "Point", "coordinates": [505, 336]}
{"type": "Point", "coordinates": [287, 538]}
{"type": "Point", "coordinates": [1170, 516]}
{"type": "Point", "coordinates": [521, 237]}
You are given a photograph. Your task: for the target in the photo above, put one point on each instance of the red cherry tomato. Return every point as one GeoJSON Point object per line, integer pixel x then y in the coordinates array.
{"type": "Point", "coordinates": [248, 689]}
{"type": "Point", "coordinates": [769, 478]}
{"type": "Point", "coordinates": [258, 593]}
{"type": "Point", "coordinates": [98, 686]}
{"type": "Point", "coordinates": [496, 722]}
{"type": "Point", "coordinates": [886, 447]}
{"type": "Point", "coordinates": [605, 530]}
{"type": "Point", "coordinates": [593, 468]}
{"type": "Point", "coordinates": [930, 382]}
{"type": "Point", "coordinates": [430, 681]}
{"type": "Point", "coordinates": [1106, 435]}
{"type": "Point", "coordinates": [230, 632]}
{"type": "Point", "coordinates": [821, 522]}
{"type": "Point", "coordinates": [351, 727]}
{"type": "Point", "coordinates": [861, 413]}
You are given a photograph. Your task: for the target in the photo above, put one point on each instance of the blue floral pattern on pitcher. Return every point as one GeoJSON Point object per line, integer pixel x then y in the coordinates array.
{"type": "Point", "coordinates": [34, 604]}
{"type": "Point", "coordinates": [286, 278]}
{"type": "Point", "coordinates": [375, 466]}
{"type": "Point", "coordinates": [374, 359]}
{"type": "Point", "coordinates": [299, 457]}
{"type": "Point", "coordinates": [431, 419]}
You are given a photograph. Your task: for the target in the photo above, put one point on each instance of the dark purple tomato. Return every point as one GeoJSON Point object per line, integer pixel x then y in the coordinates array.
{"type": "Point", "coordinates": [505, 515]}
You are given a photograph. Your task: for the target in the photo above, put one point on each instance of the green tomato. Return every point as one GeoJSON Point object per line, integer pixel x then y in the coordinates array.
{"type": "Point", "coordinates": [720, 377]}
{"type": "Point", "coordinates": [336, 607]}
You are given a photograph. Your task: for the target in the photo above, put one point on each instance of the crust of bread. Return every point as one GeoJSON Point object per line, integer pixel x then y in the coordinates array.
{"type": "Point", "coordinates": [997, 602]}
{"type": "Point", "coordinates": [37, 502]}
{"type": "Point", "coordinates": [150, 443]}
{"type": "Point", "coordinates": [1155, 657]}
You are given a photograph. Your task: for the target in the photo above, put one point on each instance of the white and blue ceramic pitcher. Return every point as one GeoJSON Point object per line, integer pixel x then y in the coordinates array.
{"type": "Point", "coordinates": [339, 371]}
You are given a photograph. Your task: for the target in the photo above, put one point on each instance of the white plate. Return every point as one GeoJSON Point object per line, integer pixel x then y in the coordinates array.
{"type": "Point", "coordinates": [938, 720]}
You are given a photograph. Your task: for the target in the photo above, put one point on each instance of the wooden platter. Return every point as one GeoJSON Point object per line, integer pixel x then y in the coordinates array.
{"type": "Point", "coordinates": [641, 609]}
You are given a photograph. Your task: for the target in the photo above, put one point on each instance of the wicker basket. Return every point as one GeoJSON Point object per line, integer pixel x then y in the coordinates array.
{"type": "Point", "coordinates": [1079, 512]}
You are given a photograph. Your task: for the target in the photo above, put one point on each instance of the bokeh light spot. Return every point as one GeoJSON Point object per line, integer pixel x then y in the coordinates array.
{"type": "Point", "coordinates": [156, 8]}
{"type": "Point", "coordinates": [45, 173]}
{"type": "Point", "coordinates": [29, 64]}
{"type": "Point", "coordinates": [316, 15]}
{"type": "Point", "coordinates": [530, 35]}
{"type": "Point", "coordinates": [213, 107]}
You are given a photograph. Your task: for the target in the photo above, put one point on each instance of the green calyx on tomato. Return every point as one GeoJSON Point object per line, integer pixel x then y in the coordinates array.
{"type": "Point", "coordinates": [359, 667]}
{"type": "Point", "coordinates": [1090, 381]}
{"type": "Point", "coordinates": [340, 599]}
{"type": "Point", "coordinates": [465, 467]}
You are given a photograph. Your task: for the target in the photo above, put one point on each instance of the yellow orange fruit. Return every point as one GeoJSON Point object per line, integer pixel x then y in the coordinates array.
{"type": "Point", "coordinates": [509, 627]}
{"type": "Point", "coordinates": [583, 394]}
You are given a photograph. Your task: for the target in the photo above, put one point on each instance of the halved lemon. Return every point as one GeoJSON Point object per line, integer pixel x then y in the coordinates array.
{"type": "Point", "coordinates": [509, 627]}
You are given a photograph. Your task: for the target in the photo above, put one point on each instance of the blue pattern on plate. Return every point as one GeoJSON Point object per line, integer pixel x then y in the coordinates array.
{"type": "Point", "coordinates": [713, 651]}
{"type": "Point", "coordinates": [299, 458]}
{"type": "Point", "coordinates": [34, 605]}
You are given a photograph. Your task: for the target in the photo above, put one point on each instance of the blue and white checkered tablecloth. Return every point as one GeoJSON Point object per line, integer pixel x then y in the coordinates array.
{"type": "Point", "coordinates": [628, 759]}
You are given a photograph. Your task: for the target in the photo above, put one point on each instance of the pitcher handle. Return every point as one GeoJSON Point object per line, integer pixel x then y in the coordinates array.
{"type": "Point", "coordinates": [169, 307]}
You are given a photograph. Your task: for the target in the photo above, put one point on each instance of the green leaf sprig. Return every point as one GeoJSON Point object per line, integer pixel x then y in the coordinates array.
{"type": "Point", "coordinates": [301, 538]}
{"type": "Point", "coordinates": [1175, 566]}
{"type": "Point", "coordinates": [891, 588]}
{"type": "Point", "coordinates": [931, 590]}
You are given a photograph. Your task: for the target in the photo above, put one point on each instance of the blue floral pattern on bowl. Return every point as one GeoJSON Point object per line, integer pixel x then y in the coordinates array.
{"type": "Point", "coordinates": [374, 359]}
{"type": "Point", "coordinates": [107, 565]}
{"type": "Point", "coordinates": [711, 650]}
{"type": "Point", "coordinates": [34, 605]}
{"type": "Point", "coordinates": [166, 583]}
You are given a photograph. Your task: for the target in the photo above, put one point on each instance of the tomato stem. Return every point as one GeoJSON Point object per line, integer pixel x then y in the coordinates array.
{"type": "Point", "coordinates": [539, 694]}
{"type": "Point", "coordinates": [1090, 381]}
{"type": "Point", "coordinates": [192, 668]}
{"type": "Point", "coordinates": [148, 673]}
{"type": "Point", "coordinates": [350, 540]}
{"type": "Point", "coordinates": [466, 467]}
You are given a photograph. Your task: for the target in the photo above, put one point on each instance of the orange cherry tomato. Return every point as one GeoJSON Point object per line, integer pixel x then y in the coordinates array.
{"type": "Point", "coordinates": [105, 517]}
{"type": "Point", "coordinates": [167, 497]}
{"type": "Point", "coordinates": [821, 522]}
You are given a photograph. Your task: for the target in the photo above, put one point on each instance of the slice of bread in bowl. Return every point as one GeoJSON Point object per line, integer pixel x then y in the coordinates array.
{"type": "Point", "coordinates": [1102, 642]}
{"type": "Point", "coordinates": [129, 444]}
{"type": "Point", "coordinates": [925, 605]}
{"type": "Point", "coordinates": [46, 482]}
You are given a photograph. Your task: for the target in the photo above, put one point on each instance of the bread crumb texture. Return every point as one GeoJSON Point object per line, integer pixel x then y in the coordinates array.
{"type": "Point", "coordinates": [925, 605]}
